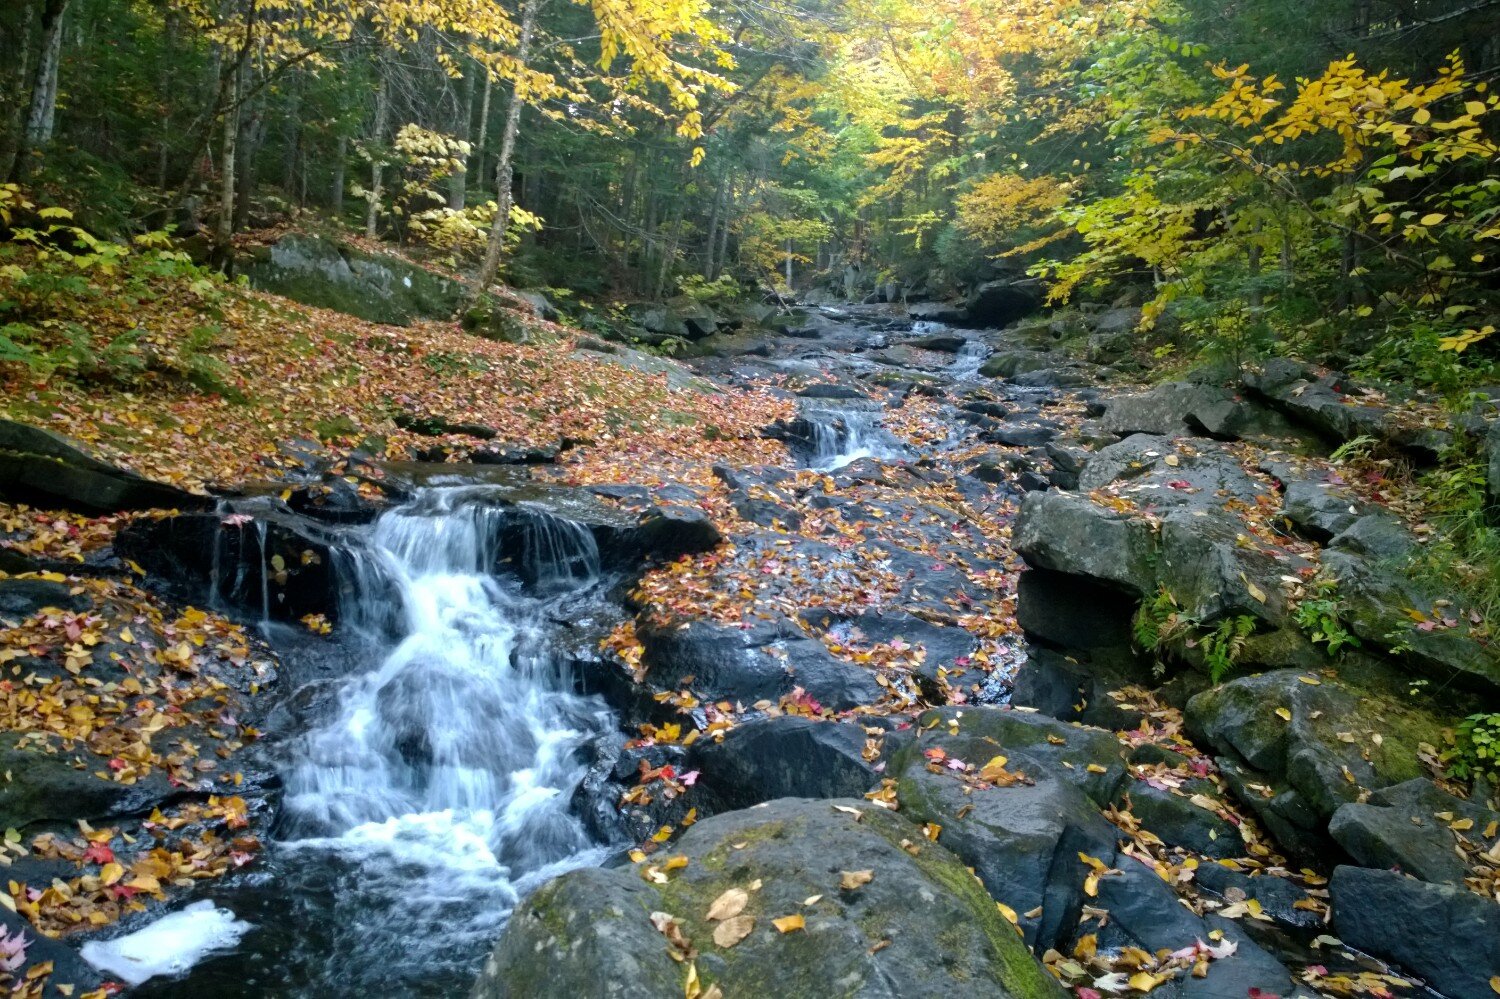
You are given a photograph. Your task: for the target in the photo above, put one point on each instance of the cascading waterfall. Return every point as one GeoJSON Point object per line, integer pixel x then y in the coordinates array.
{"type": "Point", "coordinates": [841, 437]}
{"type": "Point", "coordinates": [444, 776]}
{"type": "Point", "coordinates": [970, 358]}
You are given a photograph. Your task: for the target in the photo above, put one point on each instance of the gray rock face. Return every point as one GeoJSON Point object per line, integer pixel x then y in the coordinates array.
{"type": "Point", "coordinates": [1069, 533]}
{"type": "Point", "coordinates": [1399, 828]}
{"type": "Point", "coordinates": [41, 467]}
{"type": "Point", "coordinates": [1312, 746]}
{"type": "Point", "coordinates": [338, 276]}
{"type": "Point", "coordinates": [997, 303]}
{"type": "Point", "coordinates": [21, 598]}
{"type": "Point", "coordinates": [1448, 936]}
{"type": "Point", "coordinates": [1023, 840]}
{"type": "Point", "coordinates": [921, 926]}
{"type": "Point", "coordinates": [785, 757]}
{"type": "Point", "coordinates": [1172, 408]}
{"type": "Point", "coordinates": [766, 661]}
{"type": "Point", "coordinates": [1325, 404]}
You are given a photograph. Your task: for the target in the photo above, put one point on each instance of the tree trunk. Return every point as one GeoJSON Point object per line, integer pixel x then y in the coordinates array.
{"type": "Point", "coordinates": [42, 113]}
{"type": "Point", "coordinates": [229, 156]}
{"type": "Point", "coordinates": [336, 191]}
{"type": "Point", "coordinates": [458, 184]}
{"type": "Point", "coordinates": [484, 126]}
{"type": "Point", "coordinates": [377, 156]}
{"type": "Point", "coordinates": [505, 169]}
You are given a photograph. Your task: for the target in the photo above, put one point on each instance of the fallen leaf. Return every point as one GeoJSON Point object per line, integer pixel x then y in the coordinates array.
{"type": "Point", "coordinates": [731, 903]}
{"type": "Point", "coordinates": [734, 929]}
{"type": "Point", "coordinates": [786, 924]}
{"type": "Point", "coordinates": [850, 880]}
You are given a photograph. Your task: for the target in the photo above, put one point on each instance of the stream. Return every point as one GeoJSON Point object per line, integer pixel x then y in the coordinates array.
{"type": "Point", "coordinates": [432, 766]}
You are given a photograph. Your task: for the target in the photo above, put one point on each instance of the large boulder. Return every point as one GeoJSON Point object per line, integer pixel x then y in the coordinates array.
{"type": "Point", "coordinates": [1297, 746]}
{"type": "Point", "coordinates": [1445, 935]}
{"type": "Point", "coordinates": [1023, 838]}
{"type": "Point", "coordinates": [766, 661]}
{"type": "Point", "coordinates": [1407, 827]}
{"type": "Point", "coordinates": [919, 924]}
{"type": "Point", "coordinates": [999, 303]}
{"type": "Point", "coordinates": [46, 469]}
{"type": "Point", "coordinates": [331, 274]}
{"type": "Point", "coordinates": [1070, 533]}
{"type": "Point", "coordinates": [786, 757]}
{"type": "Point", "coordinates": [1175, 408]}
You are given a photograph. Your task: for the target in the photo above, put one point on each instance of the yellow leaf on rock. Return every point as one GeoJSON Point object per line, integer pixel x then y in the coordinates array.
{"type": "Point", "coordinates": [1144, 981]}
{"type": "Point", "coordinates": [787, 924]}
{"type": "Point", "coordinates": [1283, 714]}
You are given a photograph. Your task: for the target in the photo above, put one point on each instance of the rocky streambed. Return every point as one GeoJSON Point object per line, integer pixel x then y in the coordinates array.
{"type": "Point", "coordinates": [1001, 682]}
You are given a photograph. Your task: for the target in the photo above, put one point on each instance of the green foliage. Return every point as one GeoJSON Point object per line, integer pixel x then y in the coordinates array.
{"type": "Point", "coordinates": [1318, 616]}
{"type": "Point", "coordinates": [1223, 645]}
{"type": "Point", "coordinates": [65, 293]}
{"type": "Point", "coordinates": [1160, 625]}
{"type": "Point", "coordinates": [1476, 748]}
{"type": "Point", "coordinates": [723, 290]}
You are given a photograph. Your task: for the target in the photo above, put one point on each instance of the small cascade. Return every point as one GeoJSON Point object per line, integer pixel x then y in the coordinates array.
{"type": "Point", "coordinates": [443, 777]}
{"type": "Point", "coordinates": [841, 437]}
{"type": "Point", "coordinates": [970, 358]}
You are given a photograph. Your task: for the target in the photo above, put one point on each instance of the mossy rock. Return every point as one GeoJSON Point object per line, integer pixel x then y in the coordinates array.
{"type": "Point", "coordinates": [922, 926]}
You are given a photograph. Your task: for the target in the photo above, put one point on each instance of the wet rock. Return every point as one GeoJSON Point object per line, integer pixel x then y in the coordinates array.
{"type": "Point", "coordinates": [46, 469]}
{"type": "Point", "coordinates": [432, 425]}
{"type": "Point", "coordinates": [1398, 827]}
{"type": "Point", "coordinates": [1062, 688]}
{"type": "Point", "coordinates": [1278, 897]}
{"type": "Point", "coordinates": [1377, 601]}
{"type": "Point", "coordinates": [786, 757]}
{"type": "Point", "coordinates": [765, 661]}
{"type": "Point", "coordinates": [515, 455]}
{"type": "Point", "coordinates": [671, 532]}
{"type": "Point", "coordinates": [831, 390]}
{"type": "Point", "coordinates": [920, 926]}
{"type": "Point", "coordinates": [1020, 435]}
{"type": "Point", "coordinates": [945, 343]}
{"type": "Point", "coordinates": [1023, 841]}
{"type": "Point", "coordinates": [1447, 936]}
{"type": "Point", "coordinates": [1018, 361]}
{"type": "Point", "coordinates": [68, 968]}
{"type": "Point", "coordinates": [1180, 821]}
{"type": "Point", "coordinates": [1069, 533]}
{"type": "Point", "coordinates": [1146, 913]}
{"type": "Point", "coordinates": [340, 276]}
{"type": "Point", "coordinates": [999, 303]}
{"type": "Point", "coordinates": [21, 598]}
{"type": "Point", "coordinates": [278, 565]}
{"type": "Point", "coordinates": [1075, 612]}
{"type": "Point", "coordinates": [47, 787]}
{"type": "Point", "coordinates": [1323, 402]}
{"type": "Point", "coordinates": [1322, 756]}
{"type": "Point", "coordinates": [1321, 510]}
{"type": "Point", "coordinates": [938, 312]}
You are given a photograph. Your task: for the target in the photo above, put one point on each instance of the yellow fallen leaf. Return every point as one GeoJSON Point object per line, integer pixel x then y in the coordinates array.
{"type": "Point", "coordinates": [1311, 681]}
{"type": "Point", "coordinates": [1495, 984]}
{"type": "Point", "coordinates": [111, 872]}
{"type": "Point", "coordinates": [1007, 912]}
{"type": "Point", "coordinates": [787, 924]}
{"type": "Point", "coordinates": [1144, 981]}
{"type": "Point", "coordinates": [1283, 714]}
{"type": "Point", "coordinates": [1171, 459]}
{"type": "Point", "coordinates": [676, 863]}
{"type": "Point", "coordinates": [1095, 768]}
{"type": "Point", "coordinates": [1462, 825]}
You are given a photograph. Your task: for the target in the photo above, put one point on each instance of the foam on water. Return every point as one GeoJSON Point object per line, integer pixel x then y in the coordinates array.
{"type": "Point", "coordinates": [169, 946]}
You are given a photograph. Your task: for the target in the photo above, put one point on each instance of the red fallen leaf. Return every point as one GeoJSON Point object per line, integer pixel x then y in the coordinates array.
{"type": "Point", "coordinates": [117, 764]}
{"type": "Point", "coordinates": [1318, 969]}
{"type": "Point", "coordinates": [1257, 993]}
{"type": "Point", "coordinates": [1087, 993]}
{"type": "Point", "coordinates": [99, 853]}
{"type": "Point", "coordinates": [1180, 484]}
{"type": "Point", "coordinates": [668, 772]}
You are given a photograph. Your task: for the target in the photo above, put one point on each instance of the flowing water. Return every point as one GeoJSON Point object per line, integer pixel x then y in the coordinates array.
{"type": "Point", "coordinates": [436, 789]}
{"type": "Point", "coordinates": [839, 437]}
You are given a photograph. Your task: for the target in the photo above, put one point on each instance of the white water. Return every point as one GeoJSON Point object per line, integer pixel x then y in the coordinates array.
{"type": "Point", "coordinates": [168, 946]}
{"type": "Point", "coordinates": [444, 776]}
{"type": "Point", "coordinates": [971, 357]}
